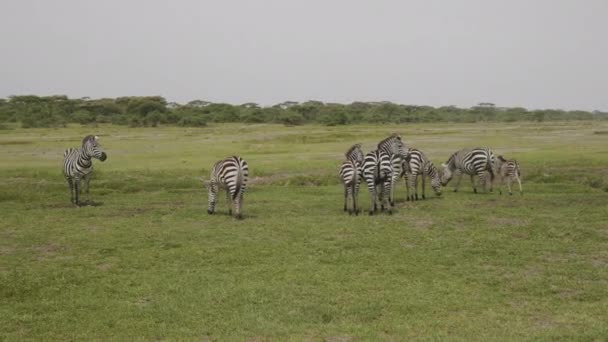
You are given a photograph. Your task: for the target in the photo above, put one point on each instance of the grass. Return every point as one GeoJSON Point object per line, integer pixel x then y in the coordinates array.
{"type": "Point", "coordinates": [147, 262]}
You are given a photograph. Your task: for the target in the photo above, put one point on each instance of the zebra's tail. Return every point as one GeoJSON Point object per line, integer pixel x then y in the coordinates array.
{"type": "Point", "coordinates": [239, 178]}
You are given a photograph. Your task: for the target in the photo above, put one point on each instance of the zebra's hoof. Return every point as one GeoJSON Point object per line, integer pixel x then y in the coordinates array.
{"type": "Point", "coordinates": [371, 213]}
{"type": "Point", "coordinates": [510, 194]}
{"type": "Point", "coordinates": [390, 212]}
{"type": "Point", "coordinates": [455, 190]}
{"type": "Point", "coordinates": [423, 197]}
{"type": "Point", "coordinates": [239, 217]}
{"type": "Point", "coordinates": [475, 191]}
{"type": "Point", "coordinates": [209, 212]}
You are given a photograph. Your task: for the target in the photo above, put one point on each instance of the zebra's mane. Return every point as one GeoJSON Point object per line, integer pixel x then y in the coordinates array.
{"type": "Point", "coordinates": [352, 148]}
{"type": "Point", "coordinates": [391, 137]}
{"type": "Point", "coordinates": [89, 138]}
{"type": "Point", "coordinates": [450, 162]}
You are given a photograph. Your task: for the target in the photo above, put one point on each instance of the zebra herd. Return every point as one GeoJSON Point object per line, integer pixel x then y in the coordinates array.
{"type": "Point", "coordinates": [380, 169]}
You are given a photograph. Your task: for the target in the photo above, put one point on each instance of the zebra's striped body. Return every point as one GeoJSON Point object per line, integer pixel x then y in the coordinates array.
{"type": "Point", "coordinates": [508, 170]}
{"type": "Point", "coordinates": [473, 162]}
{"type": "Point", "coordinates": [77, 166]}
{"type": "Point", "coordinates": [417, 164]}
{"type": "Point", "coordinates": [351, 173]}
{"type": "Point", "coordinates": [394, 147]}
{"type": "Point", "coordinates": [378, 171]}
{"type": "Point", "coordinates": [230, 173]}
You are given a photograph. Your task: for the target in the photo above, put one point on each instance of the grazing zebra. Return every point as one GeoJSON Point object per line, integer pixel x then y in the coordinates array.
{"type": "Point", "coordinates": [509, 170]}
{"type": "Point", "coordinates": [397, 152]}
{"type": "Point", "coordinates": [378, 171]}
{"type": "Point", "coordinates": [77, 165]}
{"type": "Point", "coordinates": [471, 162]}
{"type": "Point", "coordinates": [351, 173]}
{"type": "Point", "coordinates": [415, 165]}
{"type": "Point", "coordinates": [230, 173]}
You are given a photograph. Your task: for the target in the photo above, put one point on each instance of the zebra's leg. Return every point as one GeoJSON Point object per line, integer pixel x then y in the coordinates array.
{"type": "Point", "coordinates": [77, 191]}
{"type": "Point", "coordinates": [423, 185]}
{"type": "Point", "coordinates": [388, 185]}
{"type": "Point", "coordinates": [521, 190]}
{"type": "Point", "coordinates": [355, 194]}
{"type": "Point", "coordinates": [393, 186]}
{"type": "Point", "coordinates": [491, 180]}
{"type": "Point", "coordinates": [71, 185]}
{"type": "Point", "coordinates": [87, 180]}
{"type": "Point", "coordinates": [371, 187]}
{"type": "Point", "coordinates": [509, 182]}
{"type": "Point", "coordinates": [238, 202]}
{"type": "Point", "coordinates": [458, 182]}
{"type": "Point", "coordinates": [416, 187]}
{"type": "Point", "coordinates": [213, 192]}
{"type": "Point", "coordinates": [473, 183]}
{"type": "Point", "coordinates": [501, 183]}
{"type": "Point", "coordinates": [345, 197]}
{"type": "Point", "coordinates": [229, 201]}
{"type": "Point", "coordinates": [407, 186]}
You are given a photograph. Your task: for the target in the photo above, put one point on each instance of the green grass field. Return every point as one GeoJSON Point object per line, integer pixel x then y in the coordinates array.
{"type": "Point", "coordinates": [147, 262]}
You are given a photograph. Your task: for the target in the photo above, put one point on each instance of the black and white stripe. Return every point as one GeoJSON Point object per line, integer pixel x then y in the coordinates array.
{"type": "Point", "coordinates": [351, 173]}
{"type": "Point", "coordinates": [378, 171]}
{"type": "Point", "coordinates": [77, 166]}
{"type": "Point", "coordinates": [394, 147]}
{"type": "Point", "coordinates": [417, 164]}
{"type": "Point", "coordinates": [508, 170]}
{"type": "Point", "coordinates": [473, 162]}
{"type": "Point", "coordinates": [230, 173]}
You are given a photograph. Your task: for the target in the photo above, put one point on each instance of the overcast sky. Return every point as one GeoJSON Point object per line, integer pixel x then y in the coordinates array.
{"type": "Point", "coordinates": [530, 53]}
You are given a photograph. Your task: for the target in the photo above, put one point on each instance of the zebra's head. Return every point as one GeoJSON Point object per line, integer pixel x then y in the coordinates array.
{"type": "Point", "coordinates": [91, 147]}
{"type": "Point", "coordinates": [436, 180]}
{"type": "Point", "coordinates": [355, 153]}
{"type": "Point", "coordinates": [448, 170]}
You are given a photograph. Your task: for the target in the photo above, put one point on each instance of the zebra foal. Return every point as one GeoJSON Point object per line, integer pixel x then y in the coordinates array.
{"type": "Point", "coordinates": [350, 174]}
{"type": "Point", "coordinates": [231, 174]}
{"type": "Point", "coordinates": [416, 165]}
{"type": "Point", "coordinates": [508, 170]}
{"type": "Point", "coordinates": [473, 162]}
{"type": "Point", "coordinates": [77, 166]}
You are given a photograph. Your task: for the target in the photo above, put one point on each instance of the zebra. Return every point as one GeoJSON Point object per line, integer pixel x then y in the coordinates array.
{"type": "Point", "coordinates": [417, 164]}
{"type": "Point", "coordinates": [472, 162]}
{"type": "Point", "coordinates": [77, 166]}
{"type": "Point", "coordinates": [355, 153]}
{"type": "Point", "coordinates": [509, 170]}
{"type": "Point", "coordinates": [397, 152]}
{"type": "Point", "coordinates": [230, 173]}
{"type": "Point", "coordinates": [350, 174]}
{"type": "Point", "coordinates": [378, 171]}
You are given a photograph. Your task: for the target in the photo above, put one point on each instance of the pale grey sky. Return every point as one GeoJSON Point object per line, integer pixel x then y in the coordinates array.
{"type": "Point", "coordinates": [531, 53]}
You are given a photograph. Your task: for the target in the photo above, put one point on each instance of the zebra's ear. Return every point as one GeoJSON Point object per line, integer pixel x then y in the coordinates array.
{"type": "Point", "coordinates": [444, 165]}
{"type": "Point", "coordinates": [96, 137]}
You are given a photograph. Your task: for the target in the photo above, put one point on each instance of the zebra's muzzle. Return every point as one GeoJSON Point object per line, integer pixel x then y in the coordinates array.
{"type": "Point", "coordinates": [103, 157]}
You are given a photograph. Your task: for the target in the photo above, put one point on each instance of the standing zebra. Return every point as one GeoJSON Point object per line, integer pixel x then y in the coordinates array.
{"type": "Point", "coordinates": [415, 165]}
{"type": "Point", "coordinates": [509, 170]}
{"type": "Point", "coordinates": [394, 147]}
{"type": "Point", "coordinates": [378, 171]}
{"type": "Point", "coordinates": [230, 173]}
{"type": "Point", "coordinates": [77, 165]}
{"type": "Point", "coordinates": [471, 162]}
{"type": "Point", "coordinates": [351, 173]}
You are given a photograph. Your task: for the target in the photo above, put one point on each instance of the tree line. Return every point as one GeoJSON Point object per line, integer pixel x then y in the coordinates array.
{"type": "Point", "coordinates": [151, 111]}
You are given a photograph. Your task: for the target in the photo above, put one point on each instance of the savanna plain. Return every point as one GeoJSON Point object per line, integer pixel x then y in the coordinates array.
{"type": "Point", "coordinates": [146, 262]}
